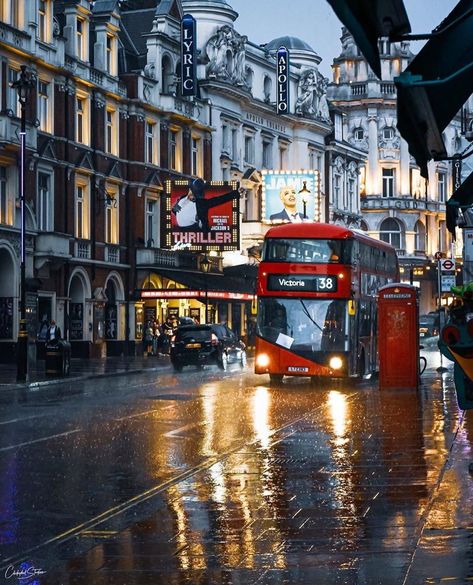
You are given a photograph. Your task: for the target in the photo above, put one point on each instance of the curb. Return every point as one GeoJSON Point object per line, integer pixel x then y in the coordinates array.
{"type": "Point", "coordinates": [40, 384]}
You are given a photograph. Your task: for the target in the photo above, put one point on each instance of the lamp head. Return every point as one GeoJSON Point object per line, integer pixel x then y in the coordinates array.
{"type": "Point", "coordinates": [305, 192]}
{"type": "Point", "coordinates": [205, 264]}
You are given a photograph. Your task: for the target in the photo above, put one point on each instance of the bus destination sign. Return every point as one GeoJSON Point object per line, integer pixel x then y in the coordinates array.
{"type": "Point", "coordinates": [302, 283]}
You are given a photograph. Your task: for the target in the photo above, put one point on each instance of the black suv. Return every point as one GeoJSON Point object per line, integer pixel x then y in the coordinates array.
{"type": "Point", "coordinates": [234, 349]}
{"type": "Point", "coordinates": [196, 345]}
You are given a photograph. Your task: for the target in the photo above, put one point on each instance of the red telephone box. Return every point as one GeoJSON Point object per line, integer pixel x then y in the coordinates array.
{"type": "Point", "coordinates": [398, 336]}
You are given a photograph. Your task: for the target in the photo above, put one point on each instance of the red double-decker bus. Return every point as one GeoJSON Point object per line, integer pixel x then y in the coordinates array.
{"type": "Point", "coordinates": [317, 310]}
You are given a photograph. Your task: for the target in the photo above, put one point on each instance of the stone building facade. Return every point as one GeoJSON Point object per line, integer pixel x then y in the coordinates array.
{"type": "Point", "coordinates": [107, 127]}
{"type": "Point", "coordinates": [102, 137]}
{"type": "Point", "coordinates": [398, 205]}
{"type": "Point", "coordinates": [239, 80]}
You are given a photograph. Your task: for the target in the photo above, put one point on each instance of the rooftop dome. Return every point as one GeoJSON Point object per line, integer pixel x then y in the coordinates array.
{"type": "Point", "coordinates": [289, 43]}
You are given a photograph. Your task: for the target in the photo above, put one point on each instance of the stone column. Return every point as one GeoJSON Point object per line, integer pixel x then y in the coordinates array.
{"type": "Point", "coordinates": [405, 179]}
{"type": "Point", "coordinates": [372, 187]}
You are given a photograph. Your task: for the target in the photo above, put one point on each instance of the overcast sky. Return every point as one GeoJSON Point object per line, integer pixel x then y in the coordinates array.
{"type": "Point", "coordinates": [315, 22]}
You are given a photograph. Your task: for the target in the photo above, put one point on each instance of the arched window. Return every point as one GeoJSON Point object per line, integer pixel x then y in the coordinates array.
{"type": "Point", "coordinates": [166, 74]}
{"type": "Point", "coordinates": [177, 77]}
{"type": "Point", "coordinates": [391, 232]}
{"type": "Point", "coordinates": [420, 237]}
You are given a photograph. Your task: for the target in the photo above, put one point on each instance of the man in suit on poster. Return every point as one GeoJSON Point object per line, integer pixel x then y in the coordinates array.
{"type": "Point", "coordinates": [289, 211]}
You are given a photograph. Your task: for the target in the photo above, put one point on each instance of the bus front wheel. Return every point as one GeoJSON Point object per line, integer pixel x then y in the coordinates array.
{"type": "Point", "coordinates": [275, 378]}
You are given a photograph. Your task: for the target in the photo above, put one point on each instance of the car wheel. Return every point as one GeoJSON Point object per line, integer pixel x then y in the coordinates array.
{"type": "Point", "coordinates": [275, 378]}
{"type": "Point", "coordinates": [223, 361]}
{"type": "Point", "coordinates": [177, 367]}
{"type": "Point", "coordinates": [243, 359]}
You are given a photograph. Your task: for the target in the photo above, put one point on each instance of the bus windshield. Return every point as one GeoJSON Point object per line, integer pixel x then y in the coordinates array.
{"type": "Point", "coordinates": [315, 251]}
{"type": "Point", "coordinates": [304, 325]}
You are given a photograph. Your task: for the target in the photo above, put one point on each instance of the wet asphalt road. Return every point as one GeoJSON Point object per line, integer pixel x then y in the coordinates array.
{"type": "Point", "coordinates": [207, 477]}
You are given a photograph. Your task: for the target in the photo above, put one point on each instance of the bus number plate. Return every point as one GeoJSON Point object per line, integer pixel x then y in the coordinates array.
{"type": "Point", "coordinates": [297, 369]}
{"type": "Point", "coordinates": [302, 282]}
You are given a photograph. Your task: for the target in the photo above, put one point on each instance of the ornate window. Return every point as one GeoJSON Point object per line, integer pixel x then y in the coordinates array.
{"type": "Point", "coordinates": [82, 206]}
{"type": "Point", "coordinates": [152, 222]}
{"type": "Point", "coordinates": [110, 55]}
{"type": "Point", "coordinates": [151, 142]}
{"type": "Point", "coordinates": [45, 202]}
{"type": "Point", "coordinates": [419, 237]}
{"type": "Point", "coordinates": [167, 75]}
{"type": "Point", "coordinates": [175, 150]}
{"type": "Point", "coordinates": [441, 187]}
{"type": "Point", "coordinates": [388, 133]}
{"type": "Point", "coordinates": [44, 109]}
{"type": "Point", "coordinates": [111, 131]}
{"type": "Point", "coordinates": [391, 232]}
{"type": "Point", "coordinates": [82, 119]}
{"type": "Point", "coordinates": [81, 39]}
{"type": "Point", "coordinates": [44, 21]}
{"type": "Point", "coordinates": [196, 156]}
{"type": "Point", "coordinates": [359, 134]}
{"type": "Point", "coordinates": [388, 182]}
{"type": "Point", "coordinates": [111, 215]}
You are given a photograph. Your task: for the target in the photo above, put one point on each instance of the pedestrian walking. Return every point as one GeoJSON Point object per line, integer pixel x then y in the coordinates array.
{"type": "Point", "coordinates": [149, 339]}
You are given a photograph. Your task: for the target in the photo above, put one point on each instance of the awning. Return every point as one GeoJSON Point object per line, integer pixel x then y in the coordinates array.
{"type": "Point", "coordinates": [435, 86]}
{"type": "Point", "coordinates": [367, 20]}
{"type": "Point", "coordinates": [461, 199]}
{"type": "Point", "coordinates": [196, 282]}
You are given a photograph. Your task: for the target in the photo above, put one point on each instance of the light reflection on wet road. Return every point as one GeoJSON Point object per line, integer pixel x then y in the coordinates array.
{"type": "Point", "coordinates": [211, 477]}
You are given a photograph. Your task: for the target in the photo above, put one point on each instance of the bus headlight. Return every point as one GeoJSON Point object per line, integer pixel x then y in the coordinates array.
{"type": "Point", "coordinates": [262, 360]}
{"type": "Point", "coordinates": [336, 363]}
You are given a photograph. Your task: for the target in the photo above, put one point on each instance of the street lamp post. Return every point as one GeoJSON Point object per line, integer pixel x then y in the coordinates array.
{"type": "Point", "coordinates": [23, 85]}
{"type": "Point", "coordinates": [305, 197]}
{"type": "Point", "coordinates": [205, 265]}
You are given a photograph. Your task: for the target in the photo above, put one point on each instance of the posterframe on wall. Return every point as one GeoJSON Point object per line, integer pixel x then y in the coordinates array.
{"type": "Point", "coordinates": [209, 223]}
{"type": "Point", "coordinates": [290, 196]}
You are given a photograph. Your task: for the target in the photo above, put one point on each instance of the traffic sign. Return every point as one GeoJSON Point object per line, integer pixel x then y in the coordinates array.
{"type": "Point", "coordinates": [439, 255]}
{"type": "Point", "coordinates": [447, 265]}
{"type": "Point", "coordinates": [447, 282]}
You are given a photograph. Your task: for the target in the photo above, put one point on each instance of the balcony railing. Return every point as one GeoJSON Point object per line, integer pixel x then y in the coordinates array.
{"type": "Point", "coordinates": [166, 258]}
{"type": "Point", "coordinates": [82, 250]}
{"type": "Point", "coordinates": [112, 254]}
{"type": "Point", "coordinates": [387, 88]}
{"type": "Point", "coordinates": [358, 89]}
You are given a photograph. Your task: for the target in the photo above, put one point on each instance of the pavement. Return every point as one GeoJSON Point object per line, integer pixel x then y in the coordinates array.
{"type": "Point", "coordinates": [81, 369]}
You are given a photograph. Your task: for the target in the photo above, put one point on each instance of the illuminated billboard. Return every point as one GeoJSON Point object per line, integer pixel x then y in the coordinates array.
{"type": "Point", "coordinates": [290, 196]}
{"type": "Point", "coordinates": [202, 216]}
